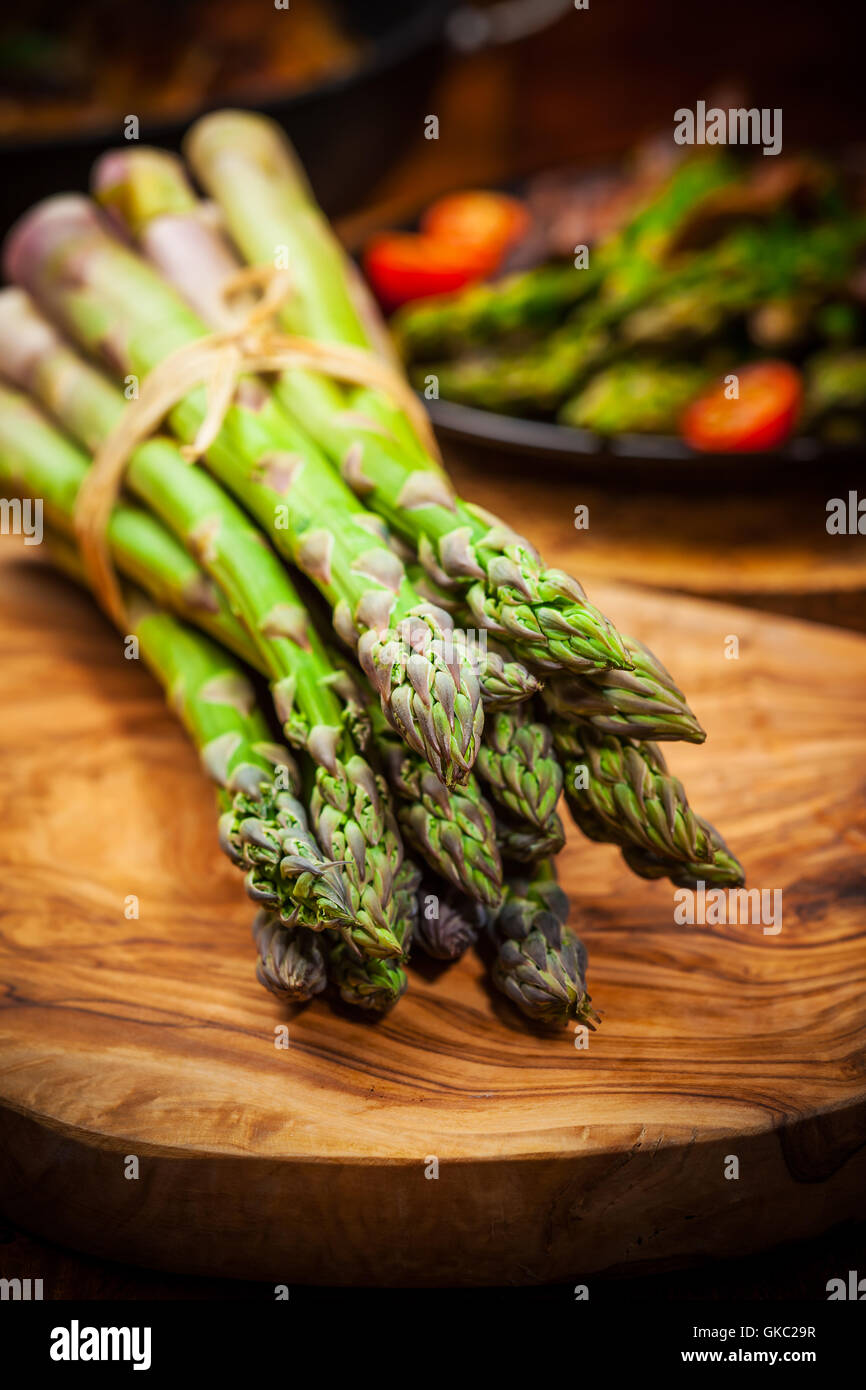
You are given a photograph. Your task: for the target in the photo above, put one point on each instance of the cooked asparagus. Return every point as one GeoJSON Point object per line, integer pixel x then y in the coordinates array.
{"type": "Point", "coordinates": [655, 306]}
{"type": "Point", "coordinates": [535, 299]}
{"type": "Point", "coordinates": [641, 396]}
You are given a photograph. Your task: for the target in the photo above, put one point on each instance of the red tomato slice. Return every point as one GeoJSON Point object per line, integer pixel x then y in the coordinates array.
{"type": "Point", "coordinates": [763, 415]}
{"type": "Point", "coordinates": [401, 266]}
{"type": "Point", "coordinates": [490, 221]}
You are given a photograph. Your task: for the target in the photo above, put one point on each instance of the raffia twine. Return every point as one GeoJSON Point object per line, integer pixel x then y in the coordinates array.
{"type": "Point", "coordinates": [218, 361]}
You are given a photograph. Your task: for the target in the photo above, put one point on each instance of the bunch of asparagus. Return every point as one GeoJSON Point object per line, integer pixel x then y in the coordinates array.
{"type": "Point", "coordinates": [627, 342]}
{"type": "Point", "coordinates": [320, 512]}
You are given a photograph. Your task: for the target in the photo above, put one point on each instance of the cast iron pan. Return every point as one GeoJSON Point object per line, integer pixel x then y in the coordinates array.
{"type": "Point", "coordinates": [347, 130]}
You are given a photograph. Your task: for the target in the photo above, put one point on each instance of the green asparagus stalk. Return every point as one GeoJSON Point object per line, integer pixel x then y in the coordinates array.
{"type": "Point", "coordinates": [377, 985]}
{"type": "Point", "coordinates": [454, 831]}
{"type": "Point", "coordinates": [620, 791]}
{"type": "Point", "coordinates": [503, 679]}
{"type": "Point", "coordinates": [644, 703]}
{"type": "Point", "coordinates": [641, 396]}
{"type": "Point", "coordinates": [349, 811]}
{"type": "Point", "coordinates": [688, 301]}
{"type": "Point", "coordinates": [117, 307]}
{"type": "Point", "coordinates": [535, 299]}
{"type": "Point", "coordinates": [448, 923]}
{"type": "Point", "coordinates": [531, 301]}
{"type": "Point", "coordinates": [291, 962]}
{"type": "Point", "coordinates": [245, 162]}
{"type": "Point", "coordinates": [519, 767]}
{"type": "Point", "coordinates": [216, 704]}
{"type": "Point", "coordinates": [291, 959]}
{"type": "Point", "coordinates": [516, 759]}
{"type": "Point", "coordinates": [263, 827]}
{"type": "Point", "coordinates": [541, 964]}
{"type": "Point", "coordinates": [143, 550]}
{"type": "Point", "coordinates": [247, 165]}
{"type": "Point", "coordinates": [835, 384]}
{"type": "Point", "coordinates": [212, 702]}
{"type": "Point", "coordinates": [407, 887]}
{"type": "Point", "coordinates": [529, 383]}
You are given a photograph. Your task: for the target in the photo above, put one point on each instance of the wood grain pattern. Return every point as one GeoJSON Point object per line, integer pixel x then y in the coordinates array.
{"type": "Point", "coordinates": [765, 535]}
{"type": "Point", "coordinates": [151, 1037]}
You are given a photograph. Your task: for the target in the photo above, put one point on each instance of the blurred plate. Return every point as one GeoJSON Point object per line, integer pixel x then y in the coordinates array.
{"type": "Point", "coordinates": [624, 452]}
{"type": "Point", "coordinates": [545, 439]}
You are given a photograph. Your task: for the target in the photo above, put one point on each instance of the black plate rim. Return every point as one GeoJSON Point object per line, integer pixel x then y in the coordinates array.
{"type": "Point", "coordinates": [548, 439]}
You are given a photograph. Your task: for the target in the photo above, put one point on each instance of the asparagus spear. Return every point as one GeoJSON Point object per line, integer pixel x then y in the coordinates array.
{"type": "Point", "coordinates": [290, 959]}
{"type": "Point", "coordinates": [245, 162]}
{"type": "Point", "coordinates": [517, 761]}
{"type": "Point", "coordinates": [835, 384]}
{"type": "Point", "coordinates": [454, 831]}
{"type": "Point", "coordinates": [349, 811]}
{"type": "Point", "coordinates": [541, 964]}
{"type": "Point", "coordinates": [263, 827]}
{"type": "Point", "coordinates": [518, 765]}
{"type": "Point", "coordinates": [291, 962]}
{"type": "Point", "coordinates": [503, 679]}
{"type": "Point", "coordinates": [621, 792]}
{"type": "Point", "coordinates": [117, 307]}
{"type": "Point", "coordinates": [644, 703]}
{"type": "Point", "coordinates": [248, 166]}
{"type": "Point", "coordinates": [531, 301]}
{"type": "Point", "coordinates": [217, 707]}
{"type": "Point", "coordinates": [448, 922]}
{"type": "Point", "coordinates": [377, 985]}
{"type": "Point", "coordinates": [52, 469]}
{"type": "Point", "coordinates": [534, 382]}
{"type": "Point", "coordinates": [641, 396]}
{"type": "Point", "coordinates": [686, 301]}
{"type": "Point", "coordinates": [535, 299]}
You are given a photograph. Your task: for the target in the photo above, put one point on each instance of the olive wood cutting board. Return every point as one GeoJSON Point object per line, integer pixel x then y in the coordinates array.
{"type": "Point", "coordinates": [697, 538]}
{"type": "Point", "coordinates": [148, 1038]}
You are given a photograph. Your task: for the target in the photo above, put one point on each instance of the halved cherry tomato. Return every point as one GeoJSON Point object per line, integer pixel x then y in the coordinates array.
{"type": "Point", "coordinates": [402, 266]}
{"type": "Point", "coordinates": [490, 221]}
{"type": "Point", "coordinates": [762, 416]}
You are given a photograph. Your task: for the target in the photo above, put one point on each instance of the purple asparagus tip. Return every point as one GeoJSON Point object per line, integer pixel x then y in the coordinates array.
{"type": "Point", "coordinates": [45, 228]}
